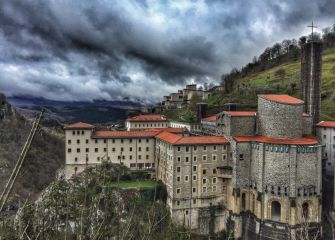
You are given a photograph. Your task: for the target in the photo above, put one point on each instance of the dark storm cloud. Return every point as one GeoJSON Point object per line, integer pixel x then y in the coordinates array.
{"type": "Point", "coordinates": [84, 50]}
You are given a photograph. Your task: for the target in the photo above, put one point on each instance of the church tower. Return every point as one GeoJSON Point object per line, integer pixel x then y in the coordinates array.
{"type": "Point", "coordinates": [311, 67]}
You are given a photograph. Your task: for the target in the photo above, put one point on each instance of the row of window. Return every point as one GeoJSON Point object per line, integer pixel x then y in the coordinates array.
{"type": "Point", "coordinates": [69, 150]}
{"type": "Point", "coordinates": [69, 141]}
{"type": "Point", "coordinates": [194, 168]}
{"type": "Point", "coordinates": [194, 177]}
{"type": "Point", "coordinates": [204, 189]}
{"type": "Point", "coordinates": [150, 125]}
{"type": "Point", "coordinates": [123, 157]}
{"type": "Point", "coordinates": [78, 132]}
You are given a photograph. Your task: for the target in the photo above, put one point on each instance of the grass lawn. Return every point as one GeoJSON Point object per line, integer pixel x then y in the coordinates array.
{"type": "Point", "coordinates": [142, 184]}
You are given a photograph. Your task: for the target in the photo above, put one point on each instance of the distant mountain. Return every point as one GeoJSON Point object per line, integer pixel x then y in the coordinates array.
{"type": "Point", "coordinates": [98, 111]}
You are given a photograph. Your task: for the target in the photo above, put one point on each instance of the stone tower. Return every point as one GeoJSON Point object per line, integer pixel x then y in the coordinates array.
{"type": "Point", "coordinates": [311, 67]}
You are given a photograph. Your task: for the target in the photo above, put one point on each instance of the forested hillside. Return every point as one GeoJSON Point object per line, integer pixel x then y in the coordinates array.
{"type": "Point", "coordinates": [277, 70]}
{"type": "Point", "coordinates": [45, 156]}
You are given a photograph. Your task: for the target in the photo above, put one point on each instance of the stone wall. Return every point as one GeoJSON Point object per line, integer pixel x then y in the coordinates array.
{"type": "Point", "coordinates": [279, 120]}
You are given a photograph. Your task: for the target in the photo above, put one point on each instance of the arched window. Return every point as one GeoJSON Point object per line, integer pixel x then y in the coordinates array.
{"type": "Point", "coordinates": [275, 211]}
{"type": "Point", "coordinates": [305, 210]}
{"type": "Point", "coordinates": [243, 201]}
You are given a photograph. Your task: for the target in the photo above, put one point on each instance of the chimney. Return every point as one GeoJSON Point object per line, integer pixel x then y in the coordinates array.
{"type": "Point", "coordinates": [201, 111]}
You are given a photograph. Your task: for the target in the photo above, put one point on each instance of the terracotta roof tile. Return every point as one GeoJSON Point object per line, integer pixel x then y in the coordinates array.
{"type": "Point", "coordinates": [79, 125]}
{"type": "Point", "coordinates": [282, 98]}
{"type": "Point", "coordinates": [171, 130]}
{"type": "Point", "coordinates": [209, 119]}
{"type": "Point", "coordinates": [123, 134]}
{"type": "Point", "coordinates": [191, 140]}
{"type": "Point", "coordinates": [329, 124]}
{"type": "Point", "coordinates": [148, 117]}
{"type": "Point", "coordinates": [240, 114]}
{"type": "Point", "coordinates": [306, 140]}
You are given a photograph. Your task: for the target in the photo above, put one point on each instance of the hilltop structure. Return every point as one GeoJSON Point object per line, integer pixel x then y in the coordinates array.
{"type": "Point", "coordinates": [183, 97]}
{"type": "Point", "coordinates": [258, 173]}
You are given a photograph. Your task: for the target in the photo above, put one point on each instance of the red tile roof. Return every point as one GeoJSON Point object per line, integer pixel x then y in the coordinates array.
{"type": "Point", "coordinates": [329, 124]}
{"type": "Point", "coordinates": [169, 137]}
{"type": "Point", "coordinates": [306, 140]}
{"type": "Point", "coordinates": [123, 134]}
{"type": "Point", "coordinates": [79, 125]}
{"type": "Point", "coordinates": [171, 130]}
{"type": "Point", "coordinates": [282, 98]}
{"type": "Point", "coordinates": [240, 114]}
{"type": "Point", "coordinates": [147, 118]}
{"type": "Point", "coordinates": [209, 119]}
{"type": "Point", "coordinates": [191, 140]}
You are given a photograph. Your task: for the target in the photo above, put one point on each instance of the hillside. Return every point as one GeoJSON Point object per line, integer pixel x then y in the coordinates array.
{"type": "Point", "coordinates": [284, 78]}
{"type": "Point", "coordinates": [45, 157]}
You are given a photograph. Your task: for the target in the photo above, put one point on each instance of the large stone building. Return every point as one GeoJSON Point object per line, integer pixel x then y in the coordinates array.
{"type": "Point", "coordinates": [260, 176]}
{"type": "Point", "coordinates": [276, 168]}
{"type": "Point", "coordinates": [326, 134]}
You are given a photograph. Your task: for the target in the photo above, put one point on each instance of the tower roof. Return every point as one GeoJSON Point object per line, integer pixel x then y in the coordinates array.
{"type": "Point", "coordinates": [282, 98]}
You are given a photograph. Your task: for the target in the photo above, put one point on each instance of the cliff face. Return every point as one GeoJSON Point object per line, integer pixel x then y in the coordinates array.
{"type": "Point", "coordinates": [45, 156]}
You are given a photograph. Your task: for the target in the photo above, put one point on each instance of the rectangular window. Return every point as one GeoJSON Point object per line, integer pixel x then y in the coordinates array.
{"type": "Point", "coordinates": [130, 149]}
{"type": "Point", "coordinates": [187, 149]}
{"type": "Point", "coordinates": [204, 157]}
{"type": "Point", "coordinates": [194, 189]}
{"type": "Point", "coordinates": [105, 149]}
{"type": "Point", "coordinates": [194, 177]}
{"type": "Point", "coordinates": [147, 140]}
{"type": "Point", "coordinates": [147, 149]}
{"type": "Point", "coordinates": [73, 132]}
{"type": "Point", "coordinates": [205, 148]}
{"type": "Point", "coordinates": [214, 170]}
{"type": "Point", "coordinates": [78, 150]}
{"type": "Point", "coordinates": [78, 141]}
{"type": "Point", "coordinates": [105, 141]}
{"type": "Point", "coordinates": [130, 157]}
{"type": "Point", "coordinates": [204, 189]}
{"type": "Point", "coordinates": [122, 149]}
{"type": "Point", "coordinates": [178, 179]}
{"type": "Point", "coordinates": [178, 190]}
{"type": "Point", "coordinates": [186, 159]}
{"type": "Point", "coordinates": [204, 181]}
{"type": "Point", "coordinates": [214, 148]}
{"type": "Point", "coordinates": [139, 149]}
{"type": "Point", "coordinates": [96, 140]}
{"type": "Point", "coordinates": [113, 149]}
{"type": "Point", "coordinates": [87, 150]}
{"type": "Point", "coordinates": [139, 157]}
{"type": "Point", "coordinates": [214, 188]}
{"type": "Point", "coordinates": [69, 141]}
{"type": "Point", "coordinates": [139, 140]}
{"type": "Point", "coordinates": [86, 140]}
{"type": "Point", "coordinates": [96, 149]}
{"type": "Point", "coordinates": [224, 157]}
{"type": "Point", "coordinates": [69, 150]}
{"type": "Point", "coordinates": [214, 180]}
{"type": "Point", "coordinates": [194, 158]}
{"type": "Point", "coordinates": [178, 159]}
{"type": "Point", "coordinates": [194, 168]}
{"type": "Point", "coordinates": [130, 140]}
{"type": "Point", "coordinates": [186, 178]}
{"type": "Point", "coordinates": [76, 159]}
{"type": "Point", "coordinates": [178, 149]}
{"type": "Point", "coordinates": [113, 140]}
{"type": "Point", "coordinates": [147, 157]}
{"type": "Point", "coordinates": [195, 148]}
{"type": "Point", "coordinates": [214, 157]}
{"type": "Point", "coordinates": [241, 157]}
{"type": "Point", "coordinates": [204, 171]}
{"type": "Point", "coordinates": [82, 132]}
{"type": "Point", "coordinates": [324, 136]}
{"type": "Point", "coordinates": [178, 169]}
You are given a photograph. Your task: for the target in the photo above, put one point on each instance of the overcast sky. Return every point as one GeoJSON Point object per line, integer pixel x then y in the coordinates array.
{"type": "Point", "coordinates": [110, 49]}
